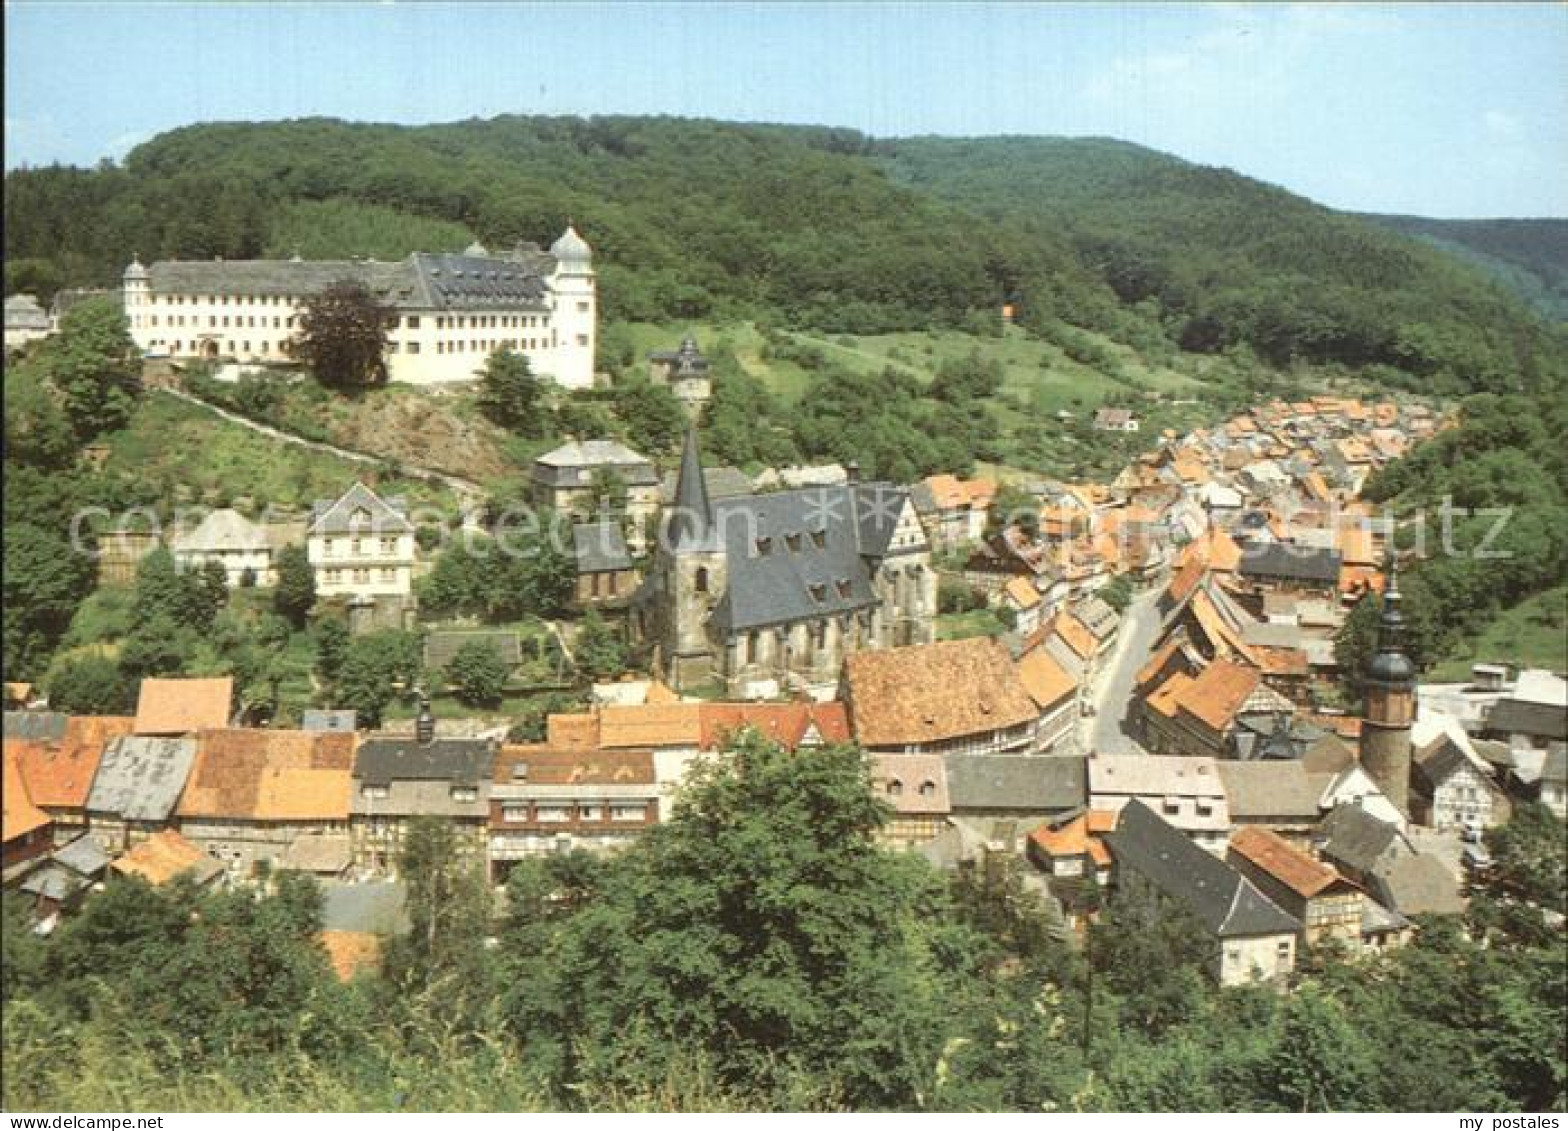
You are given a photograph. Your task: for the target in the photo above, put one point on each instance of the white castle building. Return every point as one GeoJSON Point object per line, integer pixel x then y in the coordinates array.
{"type": "Point", "coordinates": [451, 311]}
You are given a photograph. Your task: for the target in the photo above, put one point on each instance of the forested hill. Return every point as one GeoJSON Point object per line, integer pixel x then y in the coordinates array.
{"type": "Point", "coordinates": [809, 226]}
{"type": "Point", "coordinates": [1528, 256]}
{"type": "Point", "coordinates": [1222, 259]}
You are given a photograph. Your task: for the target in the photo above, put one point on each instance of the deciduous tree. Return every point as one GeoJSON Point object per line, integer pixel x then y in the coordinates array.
{"type": "Point", "coordinates": [343, 336]}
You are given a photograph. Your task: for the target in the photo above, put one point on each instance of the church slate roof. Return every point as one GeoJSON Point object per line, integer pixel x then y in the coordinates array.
{"type": "Point", "coordinates": [1221, 897]}
{"type": "Point", "coordinates": [791, 555]}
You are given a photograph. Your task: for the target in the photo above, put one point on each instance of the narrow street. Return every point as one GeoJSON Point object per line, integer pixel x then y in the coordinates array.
{"type": "Point", "coordinates": [1112, 692]}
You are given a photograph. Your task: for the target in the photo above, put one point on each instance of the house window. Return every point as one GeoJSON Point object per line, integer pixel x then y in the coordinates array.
{"type": "Point", "coordinates": [374, 791]}
{"type": "Point", "coordinates": [582, 339]}
{"type": "Point", "coordinates": [361, 575]}
{"type": "Point", "coordinates": [514, 813]}
{"type": "Point", "coordinates": [412, 321]}
{"type": "Point", "coordinates": [354, 545]}
{"type": "Point", "coordinates": [582, 308]}
{"type": "Point", "coordinates": [327, 546]}
{"type": "Point", "coordinates": [388, 574]}
{"type": "Point", "coordinates": [556, 814]}
{"type": "Point", "coordinates": [389, 545]}
{"type": "Point", "coordinates": [413, 347]}
{"type": "Point", "coordinates": [628, 813]}
{"type": "Point", "coordinates": [464, 793]}
{"type": "Point", "coordinates": [701, 579]}
{"type": "Point", "coordinates": [590, 812]}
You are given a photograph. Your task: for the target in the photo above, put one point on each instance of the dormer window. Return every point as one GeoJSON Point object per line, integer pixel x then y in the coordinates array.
{"type": "Point", "coordinates": [793, 540]}
{"type": "Point", "coordinates": [843, 587]}
{"type": "Point", "coordinates": [764, 546]}
{"type": "Point", "coordinates": [819, 593]}
{"type": "Point", "coordinates": [465, 793]}
{"type": "Point", "coordinates": [895, 788]}
{"type": "Point", "coordinates": [819, 538]}
{"type": "Point", "coordinates": [927, 788]}
{"type": "Point", "coordinates": [374, 791]}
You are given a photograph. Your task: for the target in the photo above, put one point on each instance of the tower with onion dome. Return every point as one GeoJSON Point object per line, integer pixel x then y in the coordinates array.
{"type": "Point", "coordinates": [1390, 702]}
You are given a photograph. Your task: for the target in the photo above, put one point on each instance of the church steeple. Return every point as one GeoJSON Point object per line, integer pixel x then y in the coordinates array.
{"type": "Point", "coordinates": [1390, 696]}
{"type": "Point", "coordinates": [691, 521]}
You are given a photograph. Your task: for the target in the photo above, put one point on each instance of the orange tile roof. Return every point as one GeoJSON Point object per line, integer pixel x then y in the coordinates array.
{"type": "Point", "coordinates": [1022, 592]}
{"type": "Point", "coordinates": [270, 775]}
{"type": "Point", "coordinates": [1346, 726]}
{"type": "Point", "coordinates": [18, 815]}
{"type": "Point", "coordinates": [935, 692]}
{"type": "Point", "coordinates": [183, 706]}
{"type": "Point", "coordinates": [657, 724]}
{"type": "Point", "coordinates": [549, 766]}
{"type": "Point", "coordinates": [59, 774]}
{"type": "Point", "coordinates": [1187, 578]}
{"type": "Point", "coordinates": [351, 951]}
{"type": "Point", "coordinates": [1355, 545]}
{"type": "Point", "coordinates": [577, 731]}
{"type": "Point", "coordinates": [1359, 579]}
{"type": "Point", "coordinates": [1214, 626]}
{"type": "Point", "coordinates": [1044, 679]}
{"type": "Point", "coordinates": [1075, 634]}
{"type": "Point", "coordinates": [949, 491]}
{"type": "Point", "coordinates": [1282, 860]}
{"type": "Point", "coordinates": [1078, 837]}
{"type": "Point", "coordinates": [161, 857]}
{"type": "Point", "coordinates": [1218, 692]}
{"type": "Point", "coordinates": [1224, 553]}
{"type": "Point", "coordinates": [784, 723]}
{"type": "Point", "coordinates": [1157, 661]}
{"type": "Point", "coordinates": [1165, 699]}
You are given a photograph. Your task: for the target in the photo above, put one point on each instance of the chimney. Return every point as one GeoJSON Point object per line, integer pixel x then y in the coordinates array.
{"type": "Point", "coordinates": [425, 723]}
{"type": "Point", "coordinates": [852, 471]}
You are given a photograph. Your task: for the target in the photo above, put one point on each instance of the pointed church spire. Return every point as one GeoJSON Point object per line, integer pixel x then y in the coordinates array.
{"type": "Point", "coordinates": [1390, 663]}
{"type": "Point", "coordinates": [691, 522]}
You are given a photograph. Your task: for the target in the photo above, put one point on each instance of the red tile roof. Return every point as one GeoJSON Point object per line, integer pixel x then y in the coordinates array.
{"type": "Point", "coordinates": [59, 773]}
{"type": "Point", "coordinates": [162, 857]}
{"type": "Point", "coordinates": [1045, 680]}
{"type": "Point", "coordinates": [785, 723]}
{"type": "Point", "coordinates": [1289, 865]}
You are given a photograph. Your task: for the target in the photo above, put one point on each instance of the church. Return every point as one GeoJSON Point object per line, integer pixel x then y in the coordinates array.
{"type": "Point", "coordinates": [449, 313]}
{"type": "Point", "coordinates": [766, 594]}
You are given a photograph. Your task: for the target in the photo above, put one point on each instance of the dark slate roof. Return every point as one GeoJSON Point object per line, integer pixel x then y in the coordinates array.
{"type": "Point", "coordinates": [420, 282]}
{"type": "Point", "coordinates": [335, 516]}
{"type": "Point", "coordinates": [82, 856]}
{"type": "Point", "coordinates": [599, 547]}
{"type": "Point", "coordinates": [1440, 762]}
{"type": "Point", "coordinates": [377, 908]}
{"type": "Point", "coordinates": [1356, 839]}
{"type": "Point", "coordinates": [1027, 783]}
{"type": "Point", "coordinates": [52, 881]}
{"type": "Point", "coordinates": [778, 571]}
{"type": "Point", "coordinates": [690, 525]}
{"type": "Point", "coordinates": [37, 725]}
{"type": "Point", "coordinates": [1539, 720]}
{"type": "Point", "coordinates": [1221, 897]}
{"type": "Point", "coordinates": [877, 507]}
{"type": "Point", "coordinates": [386, 759]}
{"type": "Point", "coordinates": [1294, 563]}
{"type": "Point", "coordinates": [141, 778]}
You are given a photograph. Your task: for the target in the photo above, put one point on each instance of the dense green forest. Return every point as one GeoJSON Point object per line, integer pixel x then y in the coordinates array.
{"type": "Point", "coordinates": [815, 227]}
{"type": "Point", "coordinates": [1218, 259]}
{"type": "Point", "coordinates": [760, 951]}
{"type": "Point", "coordinates": [1528, 256]}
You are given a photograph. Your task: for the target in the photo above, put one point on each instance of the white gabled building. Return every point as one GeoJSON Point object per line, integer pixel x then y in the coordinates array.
{"type": "Point", "coordinates": [449, 312]}
{"type": "Point", "coordinates": [361, 545]}
{"type": "Point", "coordinates": [233, 541]}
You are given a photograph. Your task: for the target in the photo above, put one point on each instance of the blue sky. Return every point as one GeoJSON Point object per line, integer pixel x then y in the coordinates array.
{"type": "Point", "coordinates": [1452, 110]}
